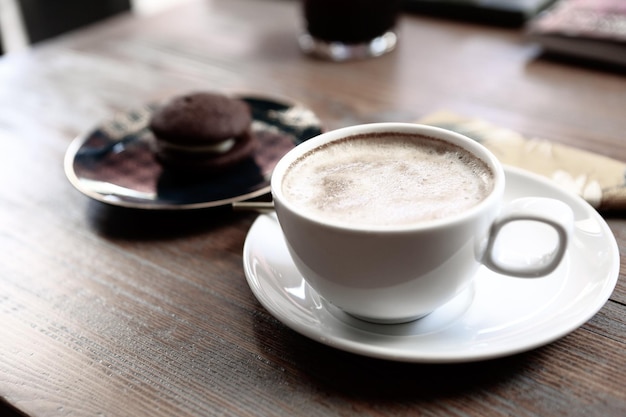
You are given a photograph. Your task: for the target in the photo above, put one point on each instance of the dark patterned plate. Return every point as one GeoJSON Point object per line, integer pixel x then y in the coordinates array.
{"type": "Point", "coordinates": [115, 164]}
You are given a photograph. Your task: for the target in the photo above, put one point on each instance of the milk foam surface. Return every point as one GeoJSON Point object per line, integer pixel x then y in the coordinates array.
{"type": "Point", "coordinates": [387, 179]}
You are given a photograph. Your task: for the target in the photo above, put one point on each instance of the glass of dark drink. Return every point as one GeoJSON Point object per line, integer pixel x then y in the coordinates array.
{"type": "Point", "coordinates": [341, 30]}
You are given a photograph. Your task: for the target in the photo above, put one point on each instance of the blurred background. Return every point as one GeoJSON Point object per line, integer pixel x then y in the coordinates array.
{"type": "Point", "coordinates": [24, 22]}
{"type": "Point", "coordinates": [588, 30]}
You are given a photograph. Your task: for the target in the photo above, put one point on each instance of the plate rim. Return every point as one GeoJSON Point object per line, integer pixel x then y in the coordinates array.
{"type": "Point", "coordinates": [76, 144]}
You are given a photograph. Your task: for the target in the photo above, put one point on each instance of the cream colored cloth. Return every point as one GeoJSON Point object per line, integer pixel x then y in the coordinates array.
{"type": "Point", "coordinates": [598, 179]}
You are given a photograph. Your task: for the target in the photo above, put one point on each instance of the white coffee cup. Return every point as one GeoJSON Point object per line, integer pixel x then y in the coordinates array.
{"type": "Point", "coordinates": [397, 272]}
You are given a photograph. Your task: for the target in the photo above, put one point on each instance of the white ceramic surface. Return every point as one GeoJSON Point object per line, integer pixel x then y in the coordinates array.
{"type": "Point", "coordinates": [394, 273]}
{"type": "Point", "coordinates": [496, 316]}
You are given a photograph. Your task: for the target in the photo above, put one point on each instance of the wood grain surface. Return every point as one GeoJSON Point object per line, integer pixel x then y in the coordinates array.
{"type": "Point", "coordinates": [116, 312]}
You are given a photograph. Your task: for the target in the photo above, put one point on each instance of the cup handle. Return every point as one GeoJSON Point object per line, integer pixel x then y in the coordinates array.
{"type": "Point", "coordinates": [552, 212]}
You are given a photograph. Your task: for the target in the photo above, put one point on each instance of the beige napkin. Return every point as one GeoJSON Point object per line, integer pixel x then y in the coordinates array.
{"type": "Point", "coordinates": [598, 179]}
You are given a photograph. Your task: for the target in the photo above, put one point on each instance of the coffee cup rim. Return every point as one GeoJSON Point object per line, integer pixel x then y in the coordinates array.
{"type": "Point", "coordinates": [471, 145]}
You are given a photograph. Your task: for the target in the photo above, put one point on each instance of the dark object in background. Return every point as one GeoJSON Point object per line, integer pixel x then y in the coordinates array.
{"type": "Point", "coordinates": [44, 19]}
{"type": "Point", "coordinates": [349, 29]}
{"type": "Point", "coordinates": [494, 12]}
{"type": "Point", "coordinates": [585, 30]}
{"type": "Point", "coordinates": [350, 22]}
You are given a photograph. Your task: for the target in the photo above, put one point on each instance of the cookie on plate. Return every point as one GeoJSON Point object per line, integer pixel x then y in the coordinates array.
{"type": "Point", "coordinates": [202, 132]}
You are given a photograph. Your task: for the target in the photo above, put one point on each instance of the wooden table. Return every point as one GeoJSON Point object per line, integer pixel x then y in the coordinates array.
{"type": "Point", "coordinates": [115, 312]}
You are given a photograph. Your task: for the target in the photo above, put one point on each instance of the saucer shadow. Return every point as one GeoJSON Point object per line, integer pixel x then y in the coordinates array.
{"type": "Point", "coordinates": [177, 189]}
{"type": "Point", "coordinates": [138, 224]}
{"type": "Point", "coordinates": [377, 380]}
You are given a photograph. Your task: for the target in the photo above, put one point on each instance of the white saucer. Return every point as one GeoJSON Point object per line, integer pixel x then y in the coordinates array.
{"type": "Point", "coordinates": [496, 316]}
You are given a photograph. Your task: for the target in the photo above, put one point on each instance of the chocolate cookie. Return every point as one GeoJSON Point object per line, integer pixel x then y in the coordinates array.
{"type": "Point", "coordinates": [202, 132]}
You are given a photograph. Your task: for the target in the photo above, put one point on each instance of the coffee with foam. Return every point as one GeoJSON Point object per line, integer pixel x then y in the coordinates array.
{"type": "Point", "coordinates": [387, 179]}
